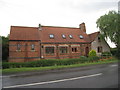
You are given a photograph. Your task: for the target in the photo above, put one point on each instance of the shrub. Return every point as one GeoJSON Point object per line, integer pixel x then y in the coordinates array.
{"type": "Point", "coordinates": [106, 54]}
{"type": "Point", "coordinates": [93, 58]}
{"type": "Point", "coordinates": [49, 62]}
{"type": "Point", "coordinates": [92, 53]}
{"type": "Point", "coordinates": [113, 51]}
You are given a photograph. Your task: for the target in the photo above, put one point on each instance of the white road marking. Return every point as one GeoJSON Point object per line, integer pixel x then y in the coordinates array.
{"type": "Point", "coordinates": [53, 81]}
{"type": "Point", "coordinates": [114, 65]}
{"type": "Point", "coordinates": [7, 76]}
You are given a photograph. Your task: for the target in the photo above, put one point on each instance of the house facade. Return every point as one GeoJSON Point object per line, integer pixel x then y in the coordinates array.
{"type": "Point", "coordinates": [97, 44]}
{"type": "Point", "coordinates": [49, 42]}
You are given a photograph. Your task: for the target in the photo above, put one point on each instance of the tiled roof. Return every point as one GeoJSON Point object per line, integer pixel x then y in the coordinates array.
{"type": "Point", "coordinates": [58, 31]}
{"type": "Point", "coordinates": [23, 33]}
{"type": "Point", "coordinates": [33, 33]}
{"type": "Point", "coordinates": [92, 36]}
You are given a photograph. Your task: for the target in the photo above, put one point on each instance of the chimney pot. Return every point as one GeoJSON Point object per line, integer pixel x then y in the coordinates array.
{"type": "Point", "coordinates": [39, 27]}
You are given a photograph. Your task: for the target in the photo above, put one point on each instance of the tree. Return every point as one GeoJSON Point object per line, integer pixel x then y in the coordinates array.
{"type": "Point", "coordinates": [5, 47]}
{"type": "Point", "coordinates": [109, 25]}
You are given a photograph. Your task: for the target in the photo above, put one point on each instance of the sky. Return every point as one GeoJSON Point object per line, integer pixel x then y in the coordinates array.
{"type": "Point", "coordinates": [64, 13]}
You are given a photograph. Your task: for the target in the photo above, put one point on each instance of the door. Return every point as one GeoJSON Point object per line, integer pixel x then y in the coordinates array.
{"type": "Point", "coordinates": [86, 51]}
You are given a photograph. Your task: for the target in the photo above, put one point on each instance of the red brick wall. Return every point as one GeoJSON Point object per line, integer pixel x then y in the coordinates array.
{"type": "Point", "coordinates": [25, 53]}
{"type": "Point", "coordinates": [70, 54]}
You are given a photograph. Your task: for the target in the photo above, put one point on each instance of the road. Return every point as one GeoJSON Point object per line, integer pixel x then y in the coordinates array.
{"type": "Point", "coordinates": [96, 76]}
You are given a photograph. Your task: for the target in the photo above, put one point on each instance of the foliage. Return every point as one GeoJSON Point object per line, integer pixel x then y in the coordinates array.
{"type": "Point", "coordinates": [92, 53]}
{"type": "Point", "coordinates": [48, 62]}
{"type": "Point", "coordinates": [93, 58]}
{"type": "Point", "coordinates": [25, 69]}
{"type": "Point", "coordinates": [5, 47]}
{"type": "Point", "coordinates": [109, 25]}
{"type": "Point", "coordinates": [106, 54]}
{"type": "Point", "coordinates": [113, 51]}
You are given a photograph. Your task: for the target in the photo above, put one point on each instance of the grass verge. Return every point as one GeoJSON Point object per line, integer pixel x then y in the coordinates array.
{"type": "Point", "coordinates": [26, 69]}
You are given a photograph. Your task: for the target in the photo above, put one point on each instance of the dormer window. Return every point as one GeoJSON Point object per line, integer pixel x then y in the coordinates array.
{"type": "Point", "coordinates": [63, 36]}
{"type": "Point", "coordinates": [81, 37]}
{"type": "Point", "coordinates": [70, 36]}
{"type": "Point", "coordinates": [51, 36]}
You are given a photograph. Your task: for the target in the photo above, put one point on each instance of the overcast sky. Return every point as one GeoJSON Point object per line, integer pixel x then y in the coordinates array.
{"type": "Point", "coordinates": [66, 13]}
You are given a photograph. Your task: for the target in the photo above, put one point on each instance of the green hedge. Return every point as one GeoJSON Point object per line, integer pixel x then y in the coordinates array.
{"type": "Point", "coordinates": [106, 54]}
{"type": "Point", "coordinates": [49, 62]}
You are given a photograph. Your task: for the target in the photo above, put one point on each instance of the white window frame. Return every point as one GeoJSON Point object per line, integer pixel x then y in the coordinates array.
{"type": "Point", "coordinates": [51, 36]}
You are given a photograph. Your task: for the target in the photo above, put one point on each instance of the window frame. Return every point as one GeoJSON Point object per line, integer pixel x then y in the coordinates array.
{"type": "Point", "coordinates": [32, 47]}
{"type": "Point", "coordinates": [63, 50]}
{"type": "Point", "coordinates": [18, 47]}
{"type": "Point", "coordinates": [48, 50]}
{"type": "Point", "coordinates": [99, 39]}
{"type": "Point", "coordinates": [74, 49]}
{"type": "Point", "coordinates": [81, 36]}
{"type": "Point", "coordinates": [63, 36]}
{"type": "Point", "coordinates": [70, 36]}
{"type": "Point", "coordinates": [51, 36]}
{"type": "Point", "coordinates": [99, 49]}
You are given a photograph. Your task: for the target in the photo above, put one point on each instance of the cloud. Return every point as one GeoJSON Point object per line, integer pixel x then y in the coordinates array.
{"type": "Point", "coordinates": [92, 6]}
{"type": "Point", "coordinates": [68, 13]}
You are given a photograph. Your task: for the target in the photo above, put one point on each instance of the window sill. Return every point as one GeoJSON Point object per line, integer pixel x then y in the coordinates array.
{"type": "Point", "coordinates": [49, 54]}
{"type": "Point", "coordinates": [32, 50]}
{"type": "Point", "coordinates": [18, 50]}
{"type": "Point", "coordinates": [75, 52]}
{"type": "Point", "coordinates": [63, 53]}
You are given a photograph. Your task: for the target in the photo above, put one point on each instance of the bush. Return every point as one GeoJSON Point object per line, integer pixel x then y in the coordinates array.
{"type": "Point", "coordinates": [93, 58]}
{"type": "Point", "coordinates": [106, 54]}
{"type": "Point", "coordinates": [113, 51]}
{"type": "Point", "coordinates": [92, 53]}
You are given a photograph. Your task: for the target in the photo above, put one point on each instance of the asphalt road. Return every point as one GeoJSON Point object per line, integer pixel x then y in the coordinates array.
{"type": "Point", "coordinates": [97, 76]}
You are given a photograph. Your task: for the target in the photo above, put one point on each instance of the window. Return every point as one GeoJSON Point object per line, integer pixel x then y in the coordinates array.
{"type": "Point", "coordinates": [32, 47]}
{"type": "Point", "coordinates": [70, 36]}
{"type": "Point", "coordinates": [63, 50]}
{"type": "Point", "coordinates": [81, 37]}
{"type": "Point", "coordinates": [74, 49]}
{"type": "Point", "coordinates": [49, 50]}
{"type": "Point", "coordinates": [51, 36]}
{"type": "Point", "coordinates": [99, 49]}
{"type": "Point", "coordinates": [99, 40]}
{"type": "Point", "coordinates": [18, 46]}
{"type": "Point", "coordinates": [63, 36]}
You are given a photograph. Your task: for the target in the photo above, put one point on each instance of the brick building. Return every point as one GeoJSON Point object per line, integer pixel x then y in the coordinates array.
{"type": "Point", "coordinates": [48, 42]}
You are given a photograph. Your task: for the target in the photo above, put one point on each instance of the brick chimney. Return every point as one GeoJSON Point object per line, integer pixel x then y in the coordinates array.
{"type": "Point", "coordinates": [39, 27]}
{"type": "Point", "coordinates": [82, 27]}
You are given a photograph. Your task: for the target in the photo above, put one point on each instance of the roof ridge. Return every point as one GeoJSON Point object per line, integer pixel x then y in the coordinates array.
{"type": "Point", "coordinates": [45, 26]}
{"type": "Point", "coordinates": [24, 27]}
{"type": "Point", "coordinates": [60, 27]}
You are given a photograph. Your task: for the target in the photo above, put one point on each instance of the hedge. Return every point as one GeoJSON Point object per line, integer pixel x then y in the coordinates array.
{"type": "Point", "coordinates": [49, 62]}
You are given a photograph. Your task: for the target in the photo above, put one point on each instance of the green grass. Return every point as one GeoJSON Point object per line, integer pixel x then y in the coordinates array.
{"type": "Point", "coordinates": [27, 69]}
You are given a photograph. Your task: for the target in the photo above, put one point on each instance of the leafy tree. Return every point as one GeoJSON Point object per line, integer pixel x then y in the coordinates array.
{"type": "Point", "coordinates": [109, 25]}
{"type": "Point", "coordinates": [5, 47]}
